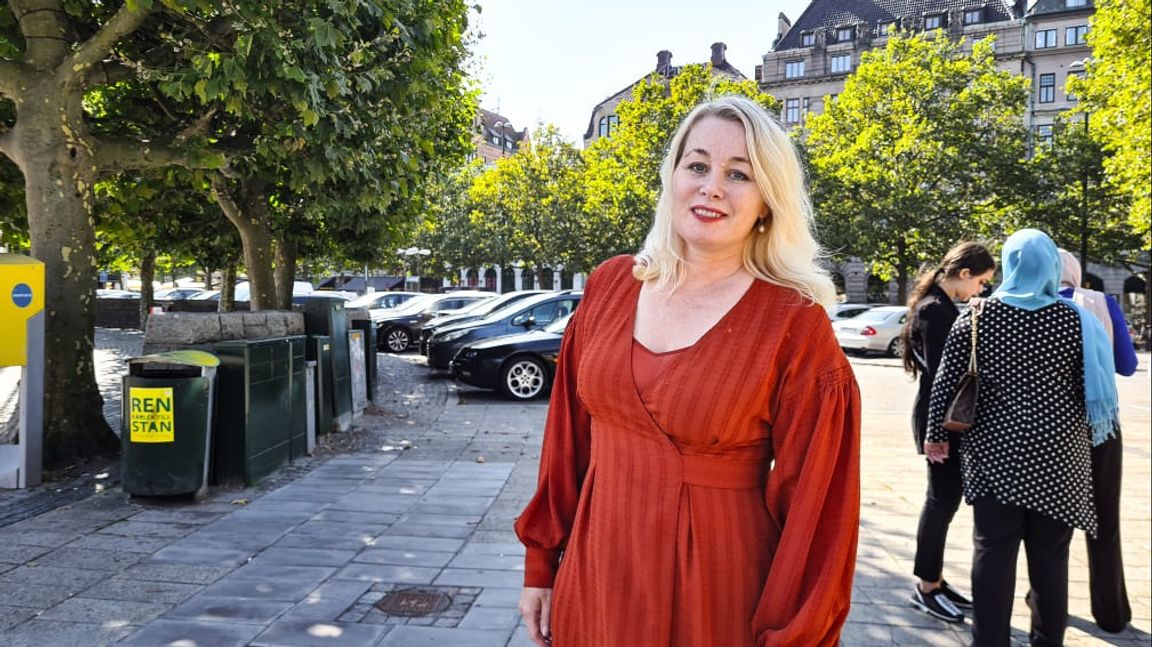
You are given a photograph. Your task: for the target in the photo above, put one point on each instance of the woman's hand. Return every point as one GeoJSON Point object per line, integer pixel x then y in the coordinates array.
{"type": "Point", "coordinates": [936, 452]}
{"type": "Point", "coordinates": [536, 607]}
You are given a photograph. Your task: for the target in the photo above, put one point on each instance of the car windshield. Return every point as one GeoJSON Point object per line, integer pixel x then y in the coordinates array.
{"type": "Point", "coordinates": [415, 304]}
{"type": "Point", "coordinates": [484, 307]}
{"type": "Point", "coordinates": [557, 327]}
{"type": "Point", "coordinates": [510, 309]}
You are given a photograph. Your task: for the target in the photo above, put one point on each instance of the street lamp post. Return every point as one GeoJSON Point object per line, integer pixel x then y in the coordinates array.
{"type": "Point", "coordinates": [1080, 66]}
{"type": "Point", "coordinates": [414, 254]}
{"type": "Point", "coordinates": [503, 125]}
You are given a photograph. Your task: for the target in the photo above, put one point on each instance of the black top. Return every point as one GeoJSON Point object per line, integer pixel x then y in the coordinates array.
{"type": "Point", "coordinates": [929, 326]}
{"type": "Point", "coordinates": [1030, 445]}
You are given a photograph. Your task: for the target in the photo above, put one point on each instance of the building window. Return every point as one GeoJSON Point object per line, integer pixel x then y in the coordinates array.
{"type": "Point", "coordinates": [806, 103]}
{"type": "Point", "coordinates": [1047, 88]}
{"type": "Point", "coordinates": [495, 140]}
{"type": "Point", "coordinates": [792, 111]}
{"type": "Point", "coordinates": [831, 98]}
{"type": "Point", "coordinates": [1076, 35]}
{"type": "Point", "coordinates": [807, 39]}
{"type": "Point", "coordinates": [1076, 3]}
{"type": "Point", "coordinates": [793, 69]}
{"type": "Point", "coordinates": [508, 144]}
{"type": "Point", "coordinates": [973, 16]}
{"type": "Point", "coordinates": [1068, 93]}
{"type": "Point", "coordinates": [935, 21]}
{"type": "Point", "coordinates": [1044, 135]}
{"type": "Point", "coordinates": [844, 34]}
{"type": "Point", "coordinates": [1045, 38]}
{"type": "Point", "coordinates": [840, 64]}
{"type": "Point", "coordinates": [886, 28]}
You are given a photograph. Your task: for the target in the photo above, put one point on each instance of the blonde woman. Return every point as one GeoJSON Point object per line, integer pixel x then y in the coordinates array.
{"type": "Point", "coordinates": [699, 484]}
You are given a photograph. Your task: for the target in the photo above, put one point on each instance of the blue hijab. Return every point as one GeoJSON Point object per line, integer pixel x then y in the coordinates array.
{"type": "Point", "coordinates": [1031, 265]}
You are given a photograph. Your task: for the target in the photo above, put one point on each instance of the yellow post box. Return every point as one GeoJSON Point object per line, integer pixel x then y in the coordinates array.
{"type": "Point", "coordinates": [22, 344]}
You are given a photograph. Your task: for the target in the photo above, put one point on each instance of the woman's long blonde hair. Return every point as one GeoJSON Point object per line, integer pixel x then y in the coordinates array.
{"type": "Point", "coordinates": [787, 254]}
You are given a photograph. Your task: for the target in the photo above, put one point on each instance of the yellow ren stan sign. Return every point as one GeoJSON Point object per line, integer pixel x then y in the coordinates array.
{"type": "Point", "coordinates": [150, 418]}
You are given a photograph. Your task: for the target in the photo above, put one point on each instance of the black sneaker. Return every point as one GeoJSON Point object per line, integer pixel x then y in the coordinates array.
{"type": "Point", "coordinates": [957, 598]}
{"type": "Point", "coordinates": [937, 605]}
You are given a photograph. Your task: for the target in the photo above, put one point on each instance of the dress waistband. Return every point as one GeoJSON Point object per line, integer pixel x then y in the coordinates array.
{"type": "Point", "coordinates": [722, 471]}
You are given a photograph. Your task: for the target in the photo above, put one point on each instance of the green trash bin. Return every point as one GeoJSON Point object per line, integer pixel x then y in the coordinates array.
{"type": "Point", "coordinates": [166, 421]}
{"type": "Point", "coordinates": [254, 428]}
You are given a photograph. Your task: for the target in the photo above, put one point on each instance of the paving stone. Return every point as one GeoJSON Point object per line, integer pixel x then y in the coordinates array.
{"type": "Point", "coordinates": [47, 538]}
{"type": "Point", "coordinates": [176, 572]}
{"type": "Point", "coordinates": [147, 545]}
{"type": "Point", "coordinates": [368, 502]}
{"type": "Point", "coordinates": [189, 516]}
{"type": "Point", "coordinates": [256, 589]}
{"type": "Point", "coordinates": [33, 595]}
{"type": "Point", "coordinates": [499, 596]}
{"type": "Point", "coordinates": [387, 573]}
{"type": "Point", "coordinates": [498, 562]}
{"type": "Point", "coordinates": [147, 529]}
{"type": "Point", "coordinates": [348, 516]}
{"type": "Point", "coordinates": [65, 578]}
{"type": "Point", "coordinates": [479, 577]}
{"type": "Point", "coordinates": [238, 610]}
{"type": "Point", "coordinates": [18, 554]}
{"type": "Point", "coordinates": [305, 556]}
{"type": "Point", "coordinates": [429, 530]}
{"type": "Point", "coordinates": [417, 516]}
{"type": "Point", "coordinates": [199, 555]}
{"type": "Point", "coordinates": [49, 633]}
{"type": "Point", "coordinates": [11, 615]}
{"type": "Point", "coordinates": [404, 557]}
{"type": "Point", "coordinates": [295, 632]}
{"type": "Point", "coordinates": [405, 542]}
{"type": "Point", "coordinates": [125, 588]}
{"type": "Point", "coordinates": [409, 636]}
{"type": "Point", "coordinates": [187, 633]}
{"type": "Point", "coordinates": [315, 541]}
{"type": "Point", "coordinates": [111, 612]}
{"type": "Point", "coordinates": [330, 600]}
{"type": "Point", "coordinates": [90, 559]}
{"type": "Point", "coordinates": [490, 618]}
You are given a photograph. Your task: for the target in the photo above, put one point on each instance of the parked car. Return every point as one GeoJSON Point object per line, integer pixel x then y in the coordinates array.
{"type": "Point", "coordinates": [301, 299]}
{"type": "Point", "coordinates": [876, 330]}
{"type": "Point", "coordinates": [523, 315]}
{"type": "Point", "coordinates": [477, 310]}
{"type": "Point", "coordinates": [840, 311]}
{"type": "Point", "coordinates": [382, 300]}
{"type": "Point", "coordinates": [113, 293]}
{"type": "Point", "coordinates": [175, 294]}
{"type": "Point", "coordinates": [398, 328]}
{"type": "Point", "coordinates": [520, 366]}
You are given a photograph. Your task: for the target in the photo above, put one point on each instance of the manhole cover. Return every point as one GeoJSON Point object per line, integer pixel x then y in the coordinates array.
{"type": "Point", "coordinates": [413, 603]}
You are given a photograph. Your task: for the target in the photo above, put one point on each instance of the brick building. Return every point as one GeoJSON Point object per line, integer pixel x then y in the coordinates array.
{"type": "Point", "coordinates": [495, 136]}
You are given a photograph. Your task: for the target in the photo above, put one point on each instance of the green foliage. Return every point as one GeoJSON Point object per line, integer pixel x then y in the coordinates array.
{"type": "Point", "coordinates": [923, 145]}
{"type": "Point", "coordinates": [622, 177]}
{"type": "Point", "coordinates": [1118, 92]}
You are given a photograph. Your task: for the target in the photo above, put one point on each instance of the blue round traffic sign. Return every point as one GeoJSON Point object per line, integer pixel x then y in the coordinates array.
{"type": "Point", "coordinates": [21, 295]}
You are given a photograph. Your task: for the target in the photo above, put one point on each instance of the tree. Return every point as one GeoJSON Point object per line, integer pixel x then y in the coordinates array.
{"type": "Point", "coordinates": [532, 201]}
{"type": "Point", "coordinates": [924, 142]}
{"type": "Point", "coordinates": [1117, 97]}
{"type": "Point", "coordinates": [622, 177]}
{"type": "Point", "coordinates": [352, 96]}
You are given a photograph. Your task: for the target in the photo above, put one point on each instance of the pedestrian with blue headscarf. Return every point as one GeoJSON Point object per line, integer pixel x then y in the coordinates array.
{"type": "Point", "coordinates": [1047, 396]}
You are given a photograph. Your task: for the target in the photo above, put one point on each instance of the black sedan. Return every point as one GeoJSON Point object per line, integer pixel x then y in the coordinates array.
{"type": "Point", "coordinates": [477, 310]}
{"type": "Point", "coordinates": [520, 366]}
{"type": "Point", "coordinates": [397, 329]}
{"type": "Point", "coordinates": [523, 315]}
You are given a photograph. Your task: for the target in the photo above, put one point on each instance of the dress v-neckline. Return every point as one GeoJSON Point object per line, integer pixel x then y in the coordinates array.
{"type": "Point", "coordinates": [728, 313]}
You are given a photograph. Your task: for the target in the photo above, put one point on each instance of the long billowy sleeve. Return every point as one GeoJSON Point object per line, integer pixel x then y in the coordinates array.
{"type": "Point", "coordinates": [1122, 348]}
{"type": "Point", "coordinates": [813, 497]}
{"type": "Point", "coordinates": [546, 522]}
{"type": "Point", "coordinates": [957, 352]}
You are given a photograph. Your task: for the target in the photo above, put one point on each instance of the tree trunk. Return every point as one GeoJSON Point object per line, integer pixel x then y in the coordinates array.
{"type": "Point", "coordinates": [228, 287]}
{"type": "Point", "coordinates": [50, 148]}
{"type": "Point", "coordinates": [249, 215]}
{"type": "Point", "coordinates": [285, 272]}
{"type": "Point", "coordinates": [207, 277]}
{"type": "Point", "coordinates": [147, 273]}
{"type": "Point", "coordinates": [902, 264]}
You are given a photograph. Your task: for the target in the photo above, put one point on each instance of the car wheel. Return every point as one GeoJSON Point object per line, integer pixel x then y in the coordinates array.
{"type": "Point", "coordinates": [397, 339]}
{"type": "Point", "coordinates": [896, 347]}
{"type": "Point", "coordinates": [523, 378]}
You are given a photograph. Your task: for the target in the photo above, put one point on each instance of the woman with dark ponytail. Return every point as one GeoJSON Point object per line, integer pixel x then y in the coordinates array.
{"type": "Point", "coordinates": [963, 273]}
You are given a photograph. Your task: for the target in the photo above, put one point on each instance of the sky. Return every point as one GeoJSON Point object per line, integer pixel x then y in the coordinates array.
{"type": "Point", "coordinates": [552, 61]}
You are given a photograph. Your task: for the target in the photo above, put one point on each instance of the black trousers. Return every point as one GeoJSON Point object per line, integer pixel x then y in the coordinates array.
{"type": "Point", "coordinates": [945, 489]}
{"type": "Point", "coordinates": [999, 530]}
{"type": "Point", "coordinates": [1110, 605]}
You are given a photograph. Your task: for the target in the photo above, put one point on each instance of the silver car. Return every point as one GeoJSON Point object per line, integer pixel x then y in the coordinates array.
{"type": "Point", "coordinates": [876, 330]}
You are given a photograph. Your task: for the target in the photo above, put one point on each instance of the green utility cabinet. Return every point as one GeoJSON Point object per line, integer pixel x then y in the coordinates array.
{"type": "Point", "coordinates": [327, 317]}
{"type": "Point", "coordinates": [369, 330]}
{"type": "Point", "coordinates": [319, 350]}
{"type": "Point", "coordinates": [166, 423]}
{"type": "Point", "coordinates": [297, 397]}
{"type": "Point", "coordinates": [254, 427]}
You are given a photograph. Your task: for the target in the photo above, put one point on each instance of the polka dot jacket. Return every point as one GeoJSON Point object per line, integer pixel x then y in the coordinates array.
{"type": "Point", "coordinates": [1030, 444]}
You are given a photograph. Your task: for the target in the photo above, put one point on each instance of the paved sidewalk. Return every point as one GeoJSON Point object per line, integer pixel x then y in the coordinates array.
{"type": "Point", "coordinates": [426, 502]}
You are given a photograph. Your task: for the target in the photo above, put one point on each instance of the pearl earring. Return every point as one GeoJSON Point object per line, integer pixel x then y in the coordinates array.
{"type": "Point", "coordinates": [760, 225]}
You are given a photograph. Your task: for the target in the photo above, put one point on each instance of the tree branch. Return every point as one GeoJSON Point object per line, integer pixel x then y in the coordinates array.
{"type": "Point", "coordinates": [223, 196]}
{"type": "Point", "coordinates": [107, 73]}
{"type": "Point", "coordinates": [93, 50]}
{"type": "Point", "coordinates": [114, 155]}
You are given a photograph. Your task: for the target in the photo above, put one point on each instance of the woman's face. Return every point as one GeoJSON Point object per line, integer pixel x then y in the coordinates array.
{"type": "Point", "coordinates": [716, 201]}
{"type": "Point", "coordinates": [968, 285]}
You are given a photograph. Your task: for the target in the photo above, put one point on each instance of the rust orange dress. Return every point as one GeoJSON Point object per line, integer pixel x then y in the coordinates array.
{"type": "Point", "coordinates": [718, 507]}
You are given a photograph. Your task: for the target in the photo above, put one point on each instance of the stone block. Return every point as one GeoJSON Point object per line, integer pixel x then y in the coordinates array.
{"type": "Point", "coordinates": [231, 325]}
{"type": "Point", "coordinates": [256, 325]}
{"type": "Point", "coordinates": [182, 328]}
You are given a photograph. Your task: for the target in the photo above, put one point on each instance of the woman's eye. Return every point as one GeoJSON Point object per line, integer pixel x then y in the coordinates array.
{"type": "Point", "coordinates": [696, 167]}
{"type": "Point", "coordinates": [738, 176]}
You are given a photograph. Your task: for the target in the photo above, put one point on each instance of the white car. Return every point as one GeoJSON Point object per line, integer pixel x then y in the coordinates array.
{"type": "Point", "coordinates": [839, 311]}
{"type": "Point", "coordinates": [876, 330]}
